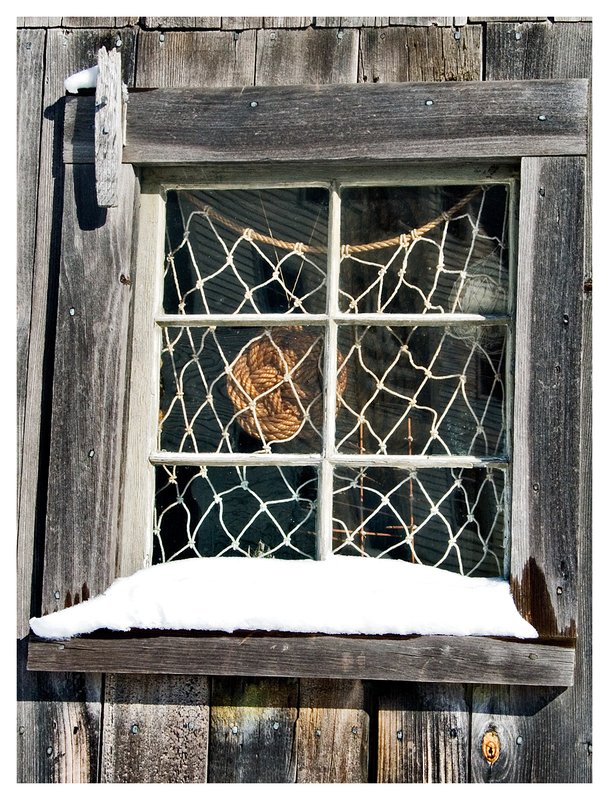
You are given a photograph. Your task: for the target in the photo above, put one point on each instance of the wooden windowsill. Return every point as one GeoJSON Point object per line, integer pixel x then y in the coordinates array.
{"type": "Point", "coordinates": [446, 659]}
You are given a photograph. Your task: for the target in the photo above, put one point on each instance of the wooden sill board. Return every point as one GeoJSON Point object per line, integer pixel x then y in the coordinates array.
{"type": "Point", "coordinates": [446, 659]}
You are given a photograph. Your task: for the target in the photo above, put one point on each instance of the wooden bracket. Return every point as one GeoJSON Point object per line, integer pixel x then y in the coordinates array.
{"type": "Point", "coordinates": [110, 119]}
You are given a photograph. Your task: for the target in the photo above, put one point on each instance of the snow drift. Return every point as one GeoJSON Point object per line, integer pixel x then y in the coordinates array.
{"type": "Point", "coordinates": [339, 595]}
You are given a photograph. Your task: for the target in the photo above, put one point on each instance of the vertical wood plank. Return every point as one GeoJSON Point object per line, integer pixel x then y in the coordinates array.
{"type": "Point", "coordinates": [252, 730]}
{"type": "Point", "coordinates": [420, 54]}
{"type": "Point", "coordinates": [540, 725]}
{"type": "Point", "coordinates": [58, 722]}
{"type": "Point", "coordinates": [533, 736]}
{"type": "Point", "coordinates": [88, 392]}
{"type": "Point", "coordinates": [332, 732]}
{"type": "Point", "coordinates": [30, 75]}
{"type": "Point", "coordinates": [312, 56]}
{"type": "Point", "coordinates": [183, 59]}
{"type": "Point", "coordinates": [59, 716]}
{"type": "Point", "coordinates": [65, 54]}
{"type": "Point", "coordinates": [423, 733]}
{"type": "Point", "coordinates": [138, 479]}
{"type": "Point", "coordinates": [155, 729]}
{"type": "Point", "coordinates": [108, 127]}
{"type": "Point", "coordinates": [546, 482]}
{"type": "Point", "coordinates": [523, 50]}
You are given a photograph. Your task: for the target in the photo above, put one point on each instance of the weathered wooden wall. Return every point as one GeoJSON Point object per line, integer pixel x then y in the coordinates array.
{"type": "Point", "coordinates": [125, 728]}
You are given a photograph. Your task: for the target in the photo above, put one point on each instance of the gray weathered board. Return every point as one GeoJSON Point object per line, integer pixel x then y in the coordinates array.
{"type": "Point", "coordinates": [408, 121]}
{"type": "Point", "coordinates": [452, 659]}
{"type": "Point", "coordinates": [88, 395]}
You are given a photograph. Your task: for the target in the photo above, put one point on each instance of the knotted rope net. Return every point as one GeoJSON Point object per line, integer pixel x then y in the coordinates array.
{"type": "Point", "coordinates": [401, 390]}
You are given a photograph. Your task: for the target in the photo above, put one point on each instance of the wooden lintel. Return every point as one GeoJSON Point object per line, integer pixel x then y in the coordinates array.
{"type": "Point", "coordinates": [109, 136]}
{"type": "Point", "coordinates": [446, 659]}
{"type": "Point", "coordinates": [361, 123]}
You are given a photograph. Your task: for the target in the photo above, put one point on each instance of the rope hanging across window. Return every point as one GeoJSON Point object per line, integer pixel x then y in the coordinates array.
{"type": "Point", "coordinates": [346, 249]}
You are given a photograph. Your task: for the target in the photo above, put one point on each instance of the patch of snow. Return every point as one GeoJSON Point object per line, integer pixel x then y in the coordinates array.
{"type": "Point", "coordinates": [85, 79]}
{"type": "Point", "coordinates": [342, 594]}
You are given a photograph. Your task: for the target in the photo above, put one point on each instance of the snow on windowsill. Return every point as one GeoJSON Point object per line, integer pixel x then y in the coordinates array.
{"type": "Point", "coordinates": [341, 595]}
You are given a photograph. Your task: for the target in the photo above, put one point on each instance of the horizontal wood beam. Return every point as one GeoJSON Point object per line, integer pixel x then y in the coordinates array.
{"type": "Point", "coordinates": [447, 659]}
{"type": "Point", "coordinates": [355, 123]}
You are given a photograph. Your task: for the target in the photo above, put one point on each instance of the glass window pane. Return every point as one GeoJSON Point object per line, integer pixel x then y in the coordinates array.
{"type": "Point", "coordinates": [246, 251]}
{"type": "Point", "coordinates": [448, 518]}
{"type": "Point", "coordinates": [422, 390]}
{"type": "Point", "coordinates": [422, 249]}
{"type": "Point", "coordinates": [235, 511]}
{"type": "Point", "coordinates": [241, 390]}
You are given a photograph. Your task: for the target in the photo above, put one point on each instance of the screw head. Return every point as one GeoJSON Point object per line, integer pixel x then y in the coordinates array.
{"type": "Point", "coordinates": [429, 102]}
{"type": "Point", "coordinates": [542, 118]}
{"type": "Point", "coordinates": [253, 104]}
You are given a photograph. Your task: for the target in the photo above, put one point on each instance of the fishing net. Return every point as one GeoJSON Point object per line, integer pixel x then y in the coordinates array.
{"type": "Point", "coordinates": [436, 388]}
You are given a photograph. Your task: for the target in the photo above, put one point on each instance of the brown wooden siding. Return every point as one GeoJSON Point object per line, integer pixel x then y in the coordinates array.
{"type": "Point", "coordinates": [87, 728]}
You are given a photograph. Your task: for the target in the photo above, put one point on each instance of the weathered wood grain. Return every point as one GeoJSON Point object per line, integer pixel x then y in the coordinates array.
{"type": "Point", "coordinates": [155, 729]}
{"type": "Point", "coordinates": [461, 659]}
{"type": "Point", "coordinates": [88, 394]}
{"type": "Point", "coordinates": [423, 733]}
{"type": "Point", "coordinates": [563, 724]}
{"type": "Point", "coordinates": [165, 23]}
{"type": "Point", "coordinates": [58, 721]}
{"type": "Point", "coordinates": [195, 58]}
{"type": "Point", "coordinates": [538, 50]}
{"type": "Point", "coordinates": [545, 513]}
{"type": "Point", "coordinates": [422, 21]}
{"type": "Point", "coordinates": [350, 22]}
{"type": "Point", "coordinates": [287, 22]}
{"type": "Point", "coordinates": [332, 732]}
{"type": "Point", "coordinates": [420, 54]}
{"type": "Point", "coordinates": [88, 22]}
{"type": "Point", "coordinates": [59, 712]}
{"type": "Point", "coordinates": [38, 22]}
{"type": "Point", "coordinates": [241, 23]}
{"type": "Point", "coordinates": [108, 128]}
{"type": "Point", "coordinates": [287, 57]}
{"type": "Point", "coordinates": [533, 730]}
{"type": "Point", "coordinates": [138, 479]}
{"type": "Point", "coordinates": [307, 124]}
{"type": "Point", "coordinates": [252, 731]}
{"type": "Point", "coordinates": [66, 53]}
{"type": "Point", "coordinates": [30, 75]}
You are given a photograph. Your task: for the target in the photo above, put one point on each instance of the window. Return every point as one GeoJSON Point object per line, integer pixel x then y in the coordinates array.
{"type": "Point", "coordinates": [366, 411]}
{"type": "Point", "coordinates": [484, 484]}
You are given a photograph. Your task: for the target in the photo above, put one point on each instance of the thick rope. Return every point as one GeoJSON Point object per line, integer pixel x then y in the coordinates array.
{"type": "Point", "coordinates": [275, 386]}
{"type": "Point", "coordinates": [347, 249]}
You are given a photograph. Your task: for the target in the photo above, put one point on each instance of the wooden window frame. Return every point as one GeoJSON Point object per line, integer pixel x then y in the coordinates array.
{"type": "Point", "coordinates": [183, 138]}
